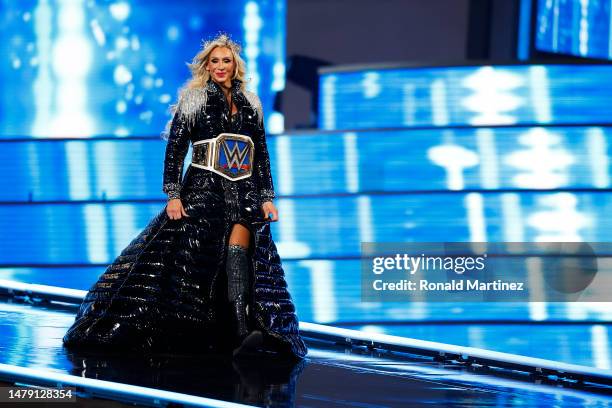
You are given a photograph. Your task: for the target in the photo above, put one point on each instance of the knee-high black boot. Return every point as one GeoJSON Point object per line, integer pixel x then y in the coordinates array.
{"type": "Point", "coordinates": [237, 268]}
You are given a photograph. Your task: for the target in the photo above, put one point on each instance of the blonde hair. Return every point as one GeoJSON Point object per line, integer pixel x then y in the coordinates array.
{"type": "Point", "coordinates": [199, 74]}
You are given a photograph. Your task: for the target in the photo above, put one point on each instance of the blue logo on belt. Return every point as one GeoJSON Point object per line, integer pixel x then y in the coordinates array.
{"type": "Point", "coordinates": [234, 157]}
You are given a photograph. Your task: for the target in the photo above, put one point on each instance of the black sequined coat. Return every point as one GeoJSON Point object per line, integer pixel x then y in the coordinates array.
{"type": "Point", "coordinates": [167, 290]}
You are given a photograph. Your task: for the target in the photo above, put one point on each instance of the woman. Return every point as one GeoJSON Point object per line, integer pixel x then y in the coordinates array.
{"type": "Point", "coordinates": [205, 272]}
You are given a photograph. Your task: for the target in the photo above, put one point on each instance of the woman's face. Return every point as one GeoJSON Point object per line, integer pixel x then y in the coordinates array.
{"type": "Point", "coordinates": [221, 66]}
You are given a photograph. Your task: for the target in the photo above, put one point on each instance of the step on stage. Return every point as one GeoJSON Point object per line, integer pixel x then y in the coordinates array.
{"type": "Point", "coordinates": [343, 368]}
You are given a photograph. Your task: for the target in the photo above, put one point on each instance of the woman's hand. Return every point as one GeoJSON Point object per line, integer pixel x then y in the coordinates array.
{"type": "Point", "coordinates": [269, 208]}
{"type": "Point", "coordinates": [175, 209]}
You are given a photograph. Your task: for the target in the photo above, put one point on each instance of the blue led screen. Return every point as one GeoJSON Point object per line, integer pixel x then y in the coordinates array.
{"type": "Point", "coordinates": [574, 27]}
{"type": "Point", "coordinates": [313, 228]}
{"type": "Point", "coordinates": [68, 207]}
{"type": "Point", "coordinates": [466, 96]}
{"type": "Point", "coordinates": [93, 67]}
{"type": "Point", "coordinates": [326, 163]}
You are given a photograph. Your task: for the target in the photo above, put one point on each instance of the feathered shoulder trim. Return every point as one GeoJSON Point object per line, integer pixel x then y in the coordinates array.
{"type": "Point", "coordinates": [191, 101]}
{"type": "Point", "coordinates": [256, 104]}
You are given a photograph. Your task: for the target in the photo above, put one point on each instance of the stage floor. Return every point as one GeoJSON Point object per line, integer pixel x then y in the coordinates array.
{"type": "Point", "coordinates": [331, 376]}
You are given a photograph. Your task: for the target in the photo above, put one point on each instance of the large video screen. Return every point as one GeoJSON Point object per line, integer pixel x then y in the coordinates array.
{"type": "Point", "coordinates": [80, 68]}
{"type": "Point", "coordinates": [326, 163]}
{"type": "Point", "coordinates": [465, 96]}
{"type": "Point", "coordinates": [84, 200]}
{"type": "Point", "coordinates": [575, 27]}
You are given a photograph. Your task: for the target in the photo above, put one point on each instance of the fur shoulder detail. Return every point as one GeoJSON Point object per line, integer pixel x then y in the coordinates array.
{"type": "Point", "coordinates": [191, 101]}
{"type": "Point", "coordinates": [256, 104]}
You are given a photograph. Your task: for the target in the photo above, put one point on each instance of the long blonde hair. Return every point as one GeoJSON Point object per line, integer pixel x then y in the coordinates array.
{"type": "Point", "coordinates": [199, 74]}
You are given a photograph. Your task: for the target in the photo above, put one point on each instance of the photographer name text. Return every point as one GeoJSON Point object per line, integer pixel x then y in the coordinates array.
{"type": "Point", "coordinates": [452, 285]}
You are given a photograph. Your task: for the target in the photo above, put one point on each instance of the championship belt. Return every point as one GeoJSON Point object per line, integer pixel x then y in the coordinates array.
{"type": "Point", "coordinates": [229, 155]}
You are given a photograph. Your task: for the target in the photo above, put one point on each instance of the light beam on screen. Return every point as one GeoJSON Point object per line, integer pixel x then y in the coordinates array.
{"type": "Point", "coordinates": [277, 119]}
{"type": "Point", "coordinates": [79, 180]}
{"type": "Point", "coordinates": [583, 47]}
{"type": "Point", "coordinates": [95, 233]}
{"type": "Point", "coordinates": [474, 205]}
{"type": "Point", "coordinates": [476, 337]}
{"type": "Point", "coordinates": [276, 123]}
{"type": "Point", "coordinates": [600, 346]}
{"type": "Point", "coordinates": [252, 23]}
{"type": "Point", "coordinates": [351, 162]}
{"type": "Point", "coordinates": [576, 311]}
{"type": "Point", "coordinates": [13, 274]}
{"type": "Point", "coordinates": [602, 310]}
{"type": "Point", "coordinates": [324, 307]}
{"type": "Point", "coordinates": [597, 148]}
{"type": "Point", "coordinates": [535, 283]}
{"type": "Point", "coordinates": [453, 159]}
{"type": "Point", "coordinates": [42, 82]}
{"type": "Point", "coordinates": [106, 174]}
{"type": "Point", "coordinates": [278, 72]}
{"type": "Point", "coordinates": [419, 308]}
{"type": "Point", "coordinates": [364, 209]}
{"type": "Point", "coordinates": [371, 85]}
{"type": "Point", "coordinates": [565, 348]}
{"type": "Point", "coordinates": [283, 161]}
{"type": "Point", "coordinates": [438, 102]}
{"type": "Point", "coordinates": [329, 108]}
{"type": "Point", "coordinates": [33, 166]}
{"type": "Point", "coordinates": [492, 100]}
{"type": "Point", "coordinates": [540, 98]}
{"type": "Point", "coordinates": [512, 218]}
{"type": "Point", "coordinates": [542, 160]}
{"type": "Point", "coordinates": [489, 165]}
{"type": "Point", "coordinates": [72, 58]}
{"type": "Point", "coordinates": [552, 208]}
{"type": "Point", "coordinates": [373, 329]}
{"type": "Point", "coordinates": [288, 244]}
{"type": "Point", "coordinates": [409, 104]}
{"type": "Point", "coordinates": [124, 226]}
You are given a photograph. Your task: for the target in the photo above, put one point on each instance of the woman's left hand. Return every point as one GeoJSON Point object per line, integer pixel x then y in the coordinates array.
{"type": "Point", "coordinates": [270, 211]}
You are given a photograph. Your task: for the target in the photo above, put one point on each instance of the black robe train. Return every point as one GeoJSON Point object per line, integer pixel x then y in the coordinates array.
{"type": "Point", "coordinates": [167, 290]}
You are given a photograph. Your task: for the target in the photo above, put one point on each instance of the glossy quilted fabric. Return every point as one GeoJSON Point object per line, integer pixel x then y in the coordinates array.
{"type": "Point", "coordinates": [167, 290]}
